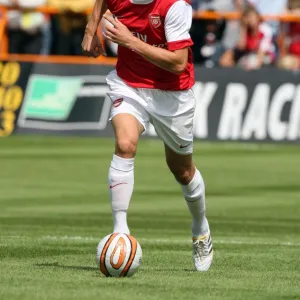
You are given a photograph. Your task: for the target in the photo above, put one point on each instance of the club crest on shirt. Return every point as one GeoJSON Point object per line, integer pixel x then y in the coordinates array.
{"type": "Point", "coordinates": [155, 20]}
{"type": "Point", "coordinates": [117, 102]}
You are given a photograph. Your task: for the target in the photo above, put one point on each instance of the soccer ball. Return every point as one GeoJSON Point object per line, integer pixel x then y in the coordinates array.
{"type": "Point", "coordinates": [119, 255]}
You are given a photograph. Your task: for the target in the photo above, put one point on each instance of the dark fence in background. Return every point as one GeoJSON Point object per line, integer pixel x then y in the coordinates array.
{"type": "Point", "coordinates": [67, 99]}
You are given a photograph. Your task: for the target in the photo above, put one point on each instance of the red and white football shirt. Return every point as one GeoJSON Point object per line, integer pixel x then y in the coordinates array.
{"type": "Point", "coordinates": [262, 41]}
{"type": "Point", "coordinates": [160, 23]}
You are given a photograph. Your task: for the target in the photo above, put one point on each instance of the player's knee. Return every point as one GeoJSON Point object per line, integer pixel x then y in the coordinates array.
{"type": "Point", "coordinates": [125, 148]}
{"type": "Point", "coordinates": [183, 175]}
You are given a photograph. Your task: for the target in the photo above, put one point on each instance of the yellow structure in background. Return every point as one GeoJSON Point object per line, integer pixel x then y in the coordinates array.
{"type": "Point", "coordinates": [77, 6]}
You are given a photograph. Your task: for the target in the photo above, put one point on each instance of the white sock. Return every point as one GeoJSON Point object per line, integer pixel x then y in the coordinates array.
{"type": "Point", "coordinates": [194, 194]}
{"type": "Point", "coordinates": [121, 180]}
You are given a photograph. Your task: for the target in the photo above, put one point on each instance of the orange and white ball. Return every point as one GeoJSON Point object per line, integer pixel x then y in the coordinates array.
{"type": "Point", "coordinates": [119, 255]}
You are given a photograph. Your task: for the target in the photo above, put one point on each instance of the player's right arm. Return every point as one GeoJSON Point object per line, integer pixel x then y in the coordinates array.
{"type": "Point", "coordinates": [97, 14]}
{"type": "Point", "coordinates": [177, 25]}
{"type": "Point", "coordinates": [91, 45]}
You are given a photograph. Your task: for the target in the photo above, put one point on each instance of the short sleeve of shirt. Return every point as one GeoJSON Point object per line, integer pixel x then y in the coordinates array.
{"type": "Point", "coordinates": [178, 24]}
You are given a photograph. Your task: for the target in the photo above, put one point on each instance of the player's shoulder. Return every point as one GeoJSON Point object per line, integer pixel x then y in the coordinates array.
{"type": "Point", "coordinates": [178, 5]}
{"type": "Point", "coordinates": [173, 9]}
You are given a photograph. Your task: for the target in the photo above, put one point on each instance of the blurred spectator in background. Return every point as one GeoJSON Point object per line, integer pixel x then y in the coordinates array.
{"type": "Point", "coordinates": [212, 37]}
{"type": "Point", "coordinates": [294, 6]}
{"type": "Point", "coordinates": [255, 46]}
{"type": "Point", "coordinates": [271, 7]}
{"type": "Point", "coordinates": [25, 27]}
{"type": "Point", "coordinates": [68, 27]}
{"type": "Point", "coordinates": [290, 59]}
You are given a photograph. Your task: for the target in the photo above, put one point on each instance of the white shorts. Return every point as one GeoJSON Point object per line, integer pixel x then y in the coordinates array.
{"type": "Point", "coordinates": [170, 112]}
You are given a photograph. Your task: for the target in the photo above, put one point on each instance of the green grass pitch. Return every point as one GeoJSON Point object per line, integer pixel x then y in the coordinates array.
{"type": "Point", "coordinates": [54, 209]}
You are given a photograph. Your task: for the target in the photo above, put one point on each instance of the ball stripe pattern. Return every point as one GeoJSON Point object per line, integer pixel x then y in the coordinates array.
{"type": "Point", "coordinates": [133, 243]}
{"type": "Point", "coordinates": [103, 268]}
{"type": "Point", "coordinates": [119, 255]}
{"type": "Point", "coordinates": [122, 245]}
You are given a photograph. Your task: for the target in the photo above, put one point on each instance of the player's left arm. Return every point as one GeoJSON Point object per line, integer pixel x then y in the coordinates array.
{"type": "Point", "coordinates": [177, 26]}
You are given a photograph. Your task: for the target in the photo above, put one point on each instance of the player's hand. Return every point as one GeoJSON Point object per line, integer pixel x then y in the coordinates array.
{"type": "Point", "coordinates": [91, 46]}
{"type": "Point", "coordinates": [117, 32]}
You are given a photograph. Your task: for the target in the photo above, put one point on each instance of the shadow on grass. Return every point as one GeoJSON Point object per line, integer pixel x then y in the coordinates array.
{"type": "Point", "coordinates": [57, 265]}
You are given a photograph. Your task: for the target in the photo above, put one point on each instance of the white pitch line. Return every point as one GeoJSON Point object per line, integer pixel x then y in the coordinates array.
{"type": "Point", "coordinates": [155, 241]}
{"type": "Point", "coordinates": [68, 238]}
{"type": "Point", "coordinates": [184, 242]}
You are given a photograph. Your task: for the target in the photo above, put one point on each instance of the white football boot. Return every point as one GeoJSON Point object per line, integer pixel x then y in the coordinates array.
{"type": "Point", "coordinates": [202, 253]}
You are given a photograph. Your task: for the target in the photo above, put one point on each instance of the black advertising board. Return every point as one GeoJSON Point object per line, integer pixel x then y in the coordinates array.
{"type": "Point", "coordinates": [253, 106]}
{"type": "Point", "coordinates": [65, 99]}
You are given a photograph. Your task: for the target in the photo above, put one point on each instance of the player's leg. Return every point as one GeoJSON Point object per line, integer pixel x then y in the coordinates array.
{"type": "Point", "coordinates": [127, 131]}
{"type": "Point", "coordinates": [129, 119]}
{"type": "Point", "coordinates": [173, 122]}
{"type": "Point", "coordinates": [172, 117]}
{"type": "Point", "coordinates": [193, 188]}
{"type": "Point", "coordinates": [121, 173]}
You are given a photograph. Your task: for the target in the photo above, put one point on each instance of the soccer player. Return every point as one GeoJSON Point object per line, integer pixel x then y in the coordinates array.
{"type": "Point", "coordinates": [152, 83]}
